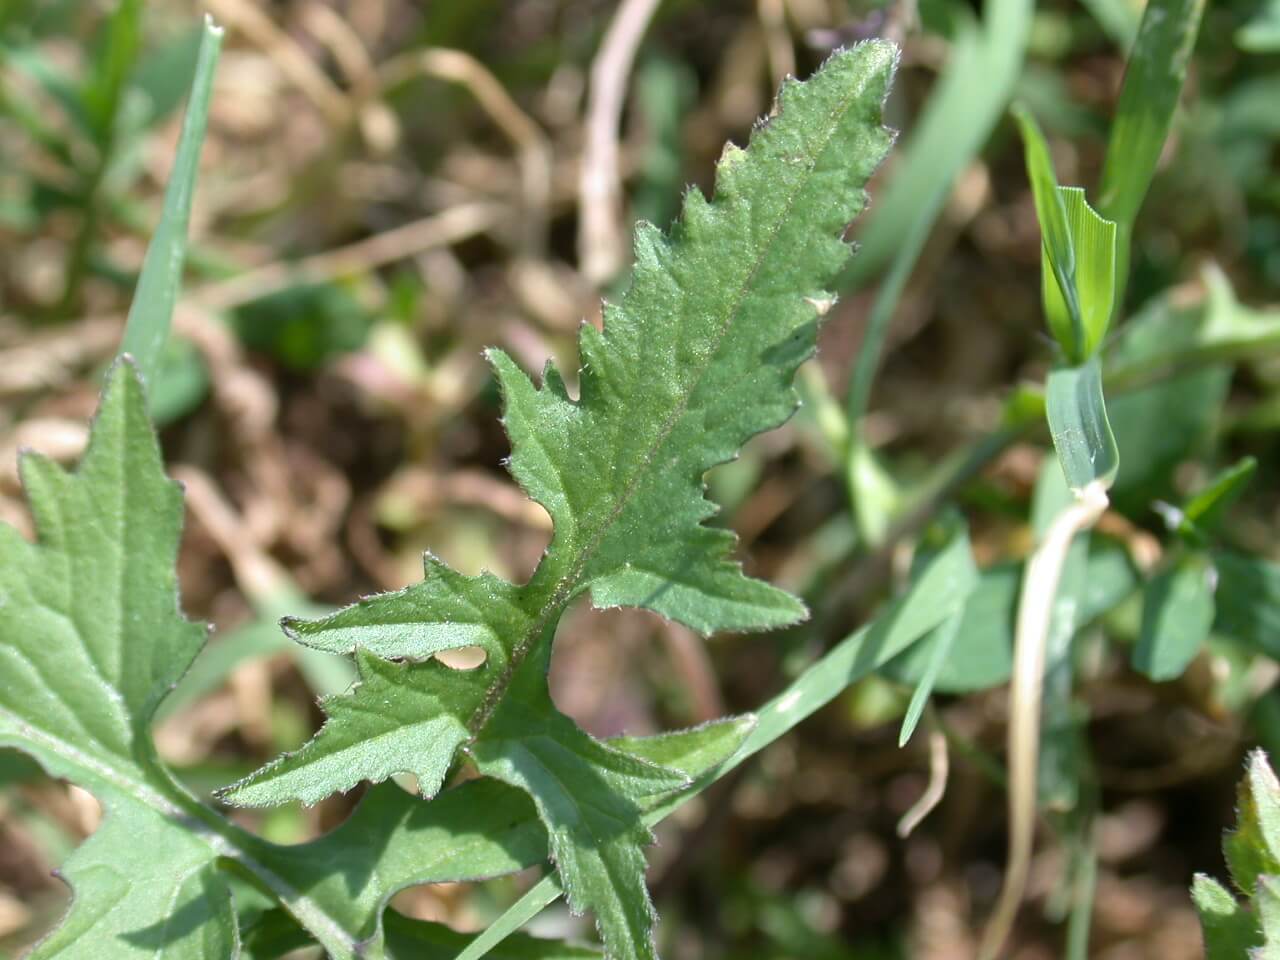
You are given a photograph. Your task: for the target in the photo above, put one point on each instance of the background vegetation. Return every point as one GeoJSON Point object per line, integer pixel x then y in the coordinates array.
{"type": "Point", "coordinates": [387, 187]}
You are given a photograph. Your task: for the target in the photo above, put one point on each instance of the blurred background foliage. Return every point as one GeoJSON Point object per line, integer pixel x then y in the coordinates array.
{"type": "Point", "coordinates": [388, 186]}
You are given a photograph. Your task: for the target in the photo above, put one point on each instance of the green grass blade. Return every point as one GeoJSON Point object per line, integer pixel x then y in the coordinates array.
{"type": "Point", "coordinates": [969, 98]}
{"type": "Point", "coordinates": [1077, 414]}
{"type": "Point", "coordinates": [1153, 81]}
{"type": "Point", "coordinates": [541, 895]}
{"type": "Point", "coordinates": [149, 317]}
{"type": "Point", "coordinates": [961, 112]}
{"type": "Point", "coordinates": [943, 639]}
{"type": "Point", "coordinates": [106, 84]}
{"type": "Point", "coordinates": [965, 104]}
{"type": "Point", "coordinates": [1205, 509]}
{"type": "Point", "coordinates": [1065, 323]}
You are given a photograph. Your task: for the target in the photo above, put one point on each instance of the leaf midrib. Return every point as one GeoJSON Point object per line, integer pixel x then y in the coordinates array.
{"type": "Point", "coordinates": [568, 584]}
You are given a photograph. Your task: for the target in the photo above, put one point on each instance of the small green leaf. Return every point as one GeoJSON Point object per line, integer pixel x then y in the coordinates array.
{"type": "Point", "coordinates": [1229, 929]}
{"type": "Point", "coordinates": [147, 327]}
{"type": "Point", "coordinates": [1204, 511]}
{"type": "Point", "coordinates": [1078, 253]}
{"type": "Point", "coordinates": [305, 325]}
{"type": "Point", "coordinates": [1253, 847]}
{"type": "Point", "coordinates": [1077, 415]}
{"type": "Point", "coordinates": [1177, 615]}
{"type": "Point", "coordinates": [1248, 601]}
{"type": "Point", "coordinates": [181, 382]}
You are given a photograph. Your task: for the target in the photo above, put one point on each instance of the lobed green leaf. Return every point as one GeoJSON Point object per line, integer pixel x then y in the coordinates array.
{"type": "Point", "coordinates": [91, 640]}
{"type": "Point", "coordinates": [697, 357]}
{"type": "Point", "coordinates": [939, 588]}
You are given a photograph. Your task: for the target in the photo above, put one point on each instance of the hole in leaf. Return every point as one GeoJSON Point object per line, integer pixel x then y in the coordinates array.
{"type": "Point", "coordinates": [463, 658]}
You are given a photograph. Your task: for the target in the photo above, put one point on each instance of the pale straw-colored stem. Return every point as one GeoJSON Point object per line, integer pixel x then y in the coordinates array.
{"type": "Point", "coordinates": [1035, 610]}
{"type": "Point", "coordinates": [939, 767]}
{"type": "Point", "coordinates": [601, 231]}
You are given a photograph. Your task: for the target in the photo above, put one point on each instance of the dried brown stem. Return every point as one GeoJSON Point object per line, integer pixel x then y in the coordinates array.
{"type": "Point", "coordinates": [601, 241]}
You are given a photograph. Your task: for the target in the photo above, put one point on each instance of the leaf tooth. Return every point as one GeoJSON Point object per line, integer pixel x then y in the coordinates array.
{"type": "Point", "coordinates": [652, 251]}
{"type": "Point", "coordinates": [510, 376]}
{"type": "Point", "coordinates": [697, 217]}
{"type": "Point", "coordinates": [553, 382]}
{"type": "Point", "coordinates": [593, 354]}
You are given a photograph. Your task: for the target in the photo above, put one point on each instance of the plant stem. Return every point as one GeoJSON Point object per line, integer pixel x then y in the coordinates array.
{"type": "Point", "coordinates": [1035, 609]}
